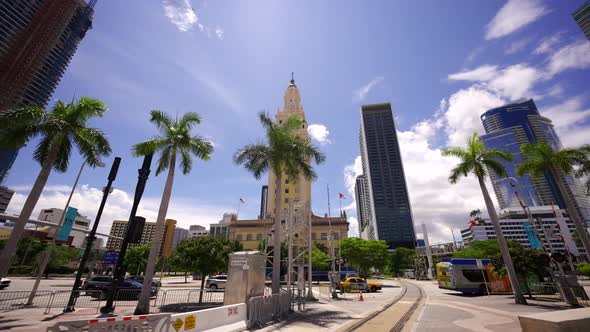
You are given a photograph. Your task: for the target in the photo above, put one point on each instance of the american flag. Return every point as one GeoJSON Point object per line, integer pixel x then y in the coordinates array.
{"type": "Point", "coordinates": [242, 201]}
{"type": "Point", "coordinates": [341, 196]}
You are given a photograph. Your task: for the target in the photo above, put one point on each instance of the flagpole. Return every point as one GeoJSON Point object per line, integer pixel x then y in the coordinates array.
{"type": "Point", "coordinates": [340, 201]}
{"type": "Point", "coordinates": [239, 203]}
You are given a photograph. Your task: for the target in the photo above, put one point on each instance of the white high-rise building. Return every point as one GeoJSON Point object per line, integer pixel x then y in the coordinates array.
{"type": "Point", "coordinates": [513, 224]}
{"type": "Point", "coordinates": [197, 231]}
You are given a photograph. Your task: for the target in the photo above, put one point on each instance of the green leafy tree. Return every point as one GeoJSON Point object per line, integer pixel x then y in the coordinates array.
{"type": "Point", "coordinates": [64, 126]}
{"type": "Point", "coordinates": [540, 158]}
{"type": "Point", "coordinates": [283, 152]}
{"type": "Point", "coordinates": [320, 260]}
{"type": "Point", "coordinates": [583, 269]}
{"type": "Point", "coordinates": [584, 166]}
{"type": "Point", "coordinates": [205, 255]}
{"type": "Point", "coordinates": [175, 141]}
{"type": "Point", "coordinates": [136, 258]}
{"type": "Point", "coordinates": [364, 255]}
{"type": "Point", "coordinates": [62, 256]}
{"type": "Point", "coordinates": [477, 160]}
{"type": "Point", "coordinates": [322, 247]}
{"type": "Point", "coordinates": [402, 258]}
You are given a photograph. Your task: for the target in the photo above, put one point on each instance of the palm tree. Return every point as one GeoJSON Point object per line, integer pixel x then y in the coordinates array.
{"type": "Point", "coordinates": [584, 170]}
{"type": "Point", "coordinates": [61, 128]}
{"type": "Point", "coordinates": [175, 140]}
{"type": "Point", "coordinates": [540, 158]}
{"type": "Point", "coordinates": [283, 152]}
{"type": "Point", "coordinates": [478, 160]}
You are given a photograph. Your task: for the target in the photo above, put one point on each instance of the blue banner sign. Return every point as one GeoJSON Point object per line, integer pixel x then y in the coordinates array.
{"type": "Point", "coordinates": [533, 240]}
{"type": "Point", "coordinates": [67, 225]}
{"type": "Point", "coordinates": [110, 257]}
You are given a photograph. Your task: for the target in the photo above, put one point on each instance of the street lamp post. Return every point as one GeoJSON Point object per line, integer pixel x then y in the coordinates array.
{"type": "Point", "coordinates": [92, 236]}
{"type": "Point", "coordinates": [47, 253]}
{"type": "Point", "coordinates": [144, 172]}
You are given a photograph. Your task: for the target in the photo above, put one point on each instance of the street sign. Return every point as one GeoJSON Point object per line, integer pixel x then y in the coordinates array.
{"type": "Point", "coordinates": [110, 257]}
{"type": "Point", "coordinates": [68, 223]}
{"type": "Point", "coordinates": [177, 324]}
{"type": "Point", "coordinates": [479, 263]}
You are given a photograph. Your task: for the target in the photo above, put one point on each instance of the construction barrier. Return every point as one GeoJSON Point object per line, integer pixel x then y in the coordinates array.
{"type": "Point", "coordinates": [231, 317]}
{"type": "Point", "coordinates": [264, 309]}
{"type": "Point", "coordinates": [147, 323]}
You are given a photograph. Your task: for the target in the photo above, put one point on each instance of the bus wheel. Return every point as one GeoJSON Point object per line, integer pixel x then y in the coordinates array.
{"type": "Point", "coordinates": [483, 290]}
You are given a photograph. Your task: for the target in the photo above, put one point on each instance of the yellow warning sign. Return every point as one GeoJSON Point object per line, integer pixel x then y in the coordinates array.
{"type": "Point", "coordinates": [177, 325]}
{"type": "Point", "coordinates": [189, 322]}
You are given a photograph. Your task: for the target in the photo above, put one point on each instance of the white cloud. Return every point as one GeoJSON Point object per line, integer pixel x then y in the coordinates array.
{"type": "Point", "coordinates": [512, 82]}
{"type": "Point", "coordinates": [572, 56]}
{"type": "Point", "coordinates": [513, 16]}
{"type": "Point", "coordinates": [181, 13]}
{"type": "Point", "coordinates": [481, 73]}
{"type": "Point", "coordinates": [548, 44]}
{"type": "Point", "coordinates": [361, 93]}
{"type": "Point", "coordinates": [465, 108]}
{"type": "Point", "coordinates": [319, 132]}
{"type": "Point", "coordinates": [186, 211]}
{"type": "Point", "coordinates": [569, 119]}
{"type": "Point", "coordinates": [517, 46]}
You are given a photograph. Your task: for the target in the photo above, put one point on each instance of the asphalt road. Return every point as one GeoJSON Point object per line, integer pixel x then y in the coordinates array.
{"type": "Point", "coordinates": [451, 311]}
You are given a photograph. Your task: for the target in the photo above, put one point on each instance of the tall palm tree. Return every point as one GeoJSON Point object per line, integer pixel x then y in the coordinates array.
{"type": "Point", "coordinates": [478, 160]}
{"type": "Point", "coordinates": [174, 141]}
{"type": "Point", "coordinates": [540, 158]}
{"type": "Point", "coordinates": [283, 152]}
{"type": "Point", "coordinates": [62, 127]}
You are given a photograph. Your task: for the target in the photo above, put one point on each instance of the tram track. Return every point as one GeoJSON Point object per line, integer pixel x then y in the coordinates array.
{"type": "Point", "coordinates": [394, 316]}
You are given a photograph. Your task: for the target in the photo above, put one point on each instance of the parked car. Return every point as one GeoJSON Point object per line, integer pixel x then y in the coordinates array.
{"type": "Point", "coordinates": [5, 282]}
{"type": "Point", "coordinates": [354, 283]}
{"type": "Point", "coordinates": [216, 282]}
{"type": "Point", "coordinates": [127, 290]}
{"type": "Point", "coordinates": [371, 286]}
{"type": "Point", "coordinates": [97, 282]}
{"type": "Point", "coordinates": [155, 283]}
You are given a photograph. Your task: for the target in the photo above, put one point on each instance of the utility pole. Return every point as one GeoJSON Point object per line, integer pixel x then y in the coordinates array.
{"type": "Point", "coordinates": [428, 251]}
{"type": "Point", "coordinates": [92, 236]}
{"type": "Point", "coordinates": [119, 272]}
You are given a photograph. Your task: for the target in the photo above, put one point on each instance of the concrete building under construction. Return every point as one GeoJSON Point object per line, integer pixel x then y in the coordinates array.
{"type": "Point", "coordinates": [37, 41]}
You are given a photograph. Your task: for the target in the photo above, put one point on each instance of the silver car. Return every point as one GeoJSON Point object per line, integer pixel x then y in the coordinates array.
{"type": "Point", "coordinates": [216, 282]}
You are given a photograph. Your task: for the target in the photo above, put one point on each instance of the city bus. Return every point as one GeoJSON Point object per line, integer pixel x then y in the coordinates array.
{"type": "Point", "coordinates": [464, 275]}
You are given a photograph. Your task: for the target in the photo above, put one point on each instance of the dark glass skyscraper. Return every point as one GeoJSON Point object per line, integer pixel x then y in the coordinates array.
{"type": "Point", "coordinates": [388, 203]}
{"type": "Point", "coordinates": [37, 41]}
{"type": "Point", "coordinates": [582, 17]}
{"type": "Point", "coordinates": [507, 128]}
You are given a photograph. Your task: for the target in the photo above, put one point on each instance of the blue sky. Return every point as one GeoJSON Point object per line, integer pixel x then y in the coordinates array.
{"type": "Point", "coordinates": [440, 64]}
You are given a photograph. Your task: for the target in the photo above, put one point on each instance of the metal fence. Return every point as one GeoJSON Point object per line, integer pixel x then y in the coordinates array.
{"type": "Point", "coordinates": [174, 300]}
{"type": "Point", "coordinates": [264, 309]}
{"type": "Point", "coordinates": [550, 292]}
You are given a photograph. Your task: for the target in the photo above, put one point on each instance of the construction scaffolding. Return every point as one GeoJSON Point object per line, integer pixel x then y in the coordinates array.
{"type": "Point", "coordinates": [299, 244]}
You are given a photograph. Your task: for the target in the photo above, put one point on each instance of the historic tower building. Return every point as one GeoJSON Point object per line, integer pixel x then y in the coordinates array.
{"type": "Point", "coordinates": [296, 190]}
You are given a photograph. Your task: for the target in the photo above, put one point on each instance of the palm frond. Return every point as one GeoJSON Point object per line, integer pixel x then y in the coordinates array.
{"type": "Point", "coordinates": [85, 109]}
{"type": "Point", "coordinates": [165, 156]}
{"type": "Point", "coordinates": [188, 120]}
{"type": "Point", "coordinates": [63, 154]}
{"type": "Point", "coordinates": [161, 120]}
{"type": "Point", "coordinates": [461, 170]}
{"type": "Point", "coordinates": [20, 125]}
{"type": "Point", "coordinates": [497, 154]}
{"type": "Point", "coordinates": [455, 152]}
{"type": "Point", "coordinates": [186, 162]}
{"type": "Point", "coordinates": [255, 158]}
{"type": "Point", "coordinates": [149, 147]}
{"type": "Point", "coordinates": [266, 121]}
{"type": "Point", "coordinates": [92, 144]}
{"type": "Point", "coordinates": [200, 147]}
{"type": "Point", "coordinates": [42, 149]}
{"type": "Point", "coordinates": [495, 166]}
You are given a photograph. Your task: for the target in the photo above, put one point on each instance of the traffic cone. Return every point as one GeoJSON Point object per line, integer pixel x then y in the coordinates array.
{"type": "Point", "coordinates": [361, 297]}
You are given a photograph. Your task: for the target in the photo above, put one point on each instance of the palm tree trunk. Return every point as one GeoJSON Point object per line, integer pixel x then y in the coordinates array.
{"type": "Point", "coordinates": [11, 245]}
{"type": "Point", "coordinates": [572, 212]}
{"type": "Point", "coordinates": [518, 297]}
{"type": "Point", "coordinates": [276, 256]}
{"type": "Point", "coordinates": [143, 304]}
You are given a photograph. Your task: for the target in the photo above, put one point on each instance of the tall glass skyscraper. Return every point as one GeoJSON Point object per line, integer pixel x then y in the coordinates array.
{"type": "Point", "coordinates": [507, 128]}
{"type": "Point", "coordinates": [388, 206]}
{"type": "Point", "coordinates": [582, 18]}
{"type": "Point", "coordinates": [37, 41]}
